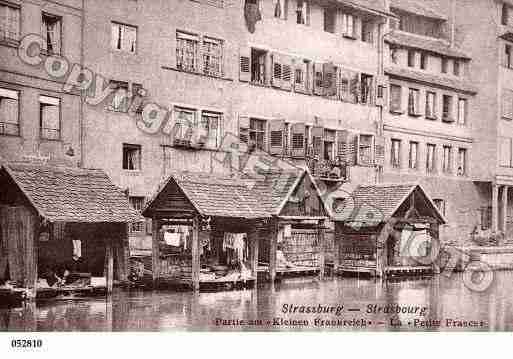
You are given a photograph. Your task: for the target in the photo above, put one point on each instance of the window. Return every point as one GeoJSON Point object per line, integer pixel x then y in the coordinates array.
{"type": "Point", "coordinates": [445, 65]}
{"type": "Point", "coordinates": [413, 155]}
{"type": "Point", "coordinates": [365, 150]}
{"type": "Point", "coordinates": [447, 108]}
{"type": "Point", "coordinates": [462, 161]}
{"type": "Point", "coordinates": [505, 152]}
{"type": "Point", "coordinates": [431, 105]}
{"type": "Point", "coordinates": [507, 104]}
{"type": "Point", "coordinates": [507, 56]}
{"type": "Point", "coordinates": [367, 82]}
{"type": "Point", "coordinates": [302, 12]}
{"type": "Point", "coordinates": [257, 133]}
{"type": "Point", "coordinates": [187, 49]}
{"type": "Point", "coordinates": [367, 31]}
{"type": "Point", "coordinates": [258, 64]}
{"type": "Point", "coordinates": [9, 112]}
{"type": "Point", "coordinates": [329, 144]}
{"type": "Point", "coordinates": [423, 61]}
{"type": "Point", "coordinates": [456, 68]}
{"type": "Point", "coordinates": [411, 58]}
{"type": "Point", "coordinates": [51, 33]}
{"type": "Point", "coordinates": [462, 111]}
{"type": "Point", "coordinates": [123, 93]}
{"type": "Point", "coordinates": [395, 98]}
{"type": "Point", "coordinates": [49, 117]}
{"type": "Point", "coordinates": [329, 19]}
{"type": "Point", "coordinates": [137, 203]}
{"type": "Point", "coordinates": [440, 205]}
{"type": "Point", "coordinates": [124, 37]}
{"type": "Point", "coordinates": [413, 102]}
{"type": "Point", "coordinates": [395, 155]}
{"type": "Point", "coordinates": [431, 158]}
{"type": "Point", "coordinates": [280, 9]}
{"type": "Point", "coordinates": [211, 128]}
{"type": "Point", "coordinates": [348, 28]}
{"type": "Point", "coordinates": [504, 14]}
{"type": "Point", "coordinates": [9, 22]}
{"type": "Point", "coordinates": [486, 217]}
{"type": "Point", "coordinates": [212, 56]}
{"type": "Point", "coordinates": [447, 159]}
{"type": "Point", "coordinates": [131, 157]}
{"type": "Point", "coordinates": [185, 121]}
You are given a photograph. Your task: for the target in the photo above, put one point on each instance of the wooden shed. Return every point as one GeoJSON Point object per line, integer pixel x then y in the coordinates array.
{"type": "Point", "coordinates": [387, 229]}
{"type": "Point", "coordinates": [197, 218]}
{"type": "Point", "coordinates": [50, 216]}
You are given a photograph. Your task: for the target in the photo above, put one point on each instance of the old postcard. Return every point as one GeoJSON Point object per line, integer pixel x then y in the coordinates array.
{"type": "Point", "coordinates": [256, 165]}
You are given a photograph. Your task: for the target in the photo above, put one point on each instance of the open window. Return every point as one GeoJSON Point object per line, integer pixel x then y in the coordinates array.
{"type": "Point", "coordinates": [131, 157]}
{"type": "Point", "coordinates": [50, 117]}
{"type": "Point", "coordinates": [51, 26]}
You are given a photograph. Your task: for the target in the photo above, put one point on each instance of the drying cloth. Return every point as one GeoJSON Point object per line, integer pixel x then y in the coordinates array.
{"type": "Point", "coordinates": [77, 248]}
{"type": "Point", "coordinates": [252, 16]}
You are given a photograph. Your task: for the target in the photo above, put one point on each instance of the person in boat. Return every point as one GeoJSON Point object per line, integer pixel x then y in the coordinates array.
{"type": "Point", "coordinates": [74, 270]}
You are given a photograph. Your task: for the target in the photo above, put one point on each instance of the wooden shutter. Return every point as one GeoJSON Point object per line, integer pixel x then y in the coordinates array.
{"type": "Point", "coordinates": [354, 87]}
{"type": "Point", "coordinates": [330, 79]}
{"type": "Point", "coordinates": [276, 70]}
{"type": "Point", "coordinates": [379, 150]}
{"type": "Point", "coordinates": [286, 73]}
{"type": "Point", "coordinates": [300, 86]}
{"type": "Point", "coordinates": [507, 104]}
{"type": "Point", "coordinates": [344, 81]}
{"type": "Point", "coordinates": [346, 148]}
{"type": "Point", "coordinates": [276, 137]}
{"type": "Point", "coordinates": [317, 140]}
{"type": "Point", "coordinates": [245, 64]}
{"type": "Point", "coordinates": [244, 129]}
{"type": "Point", "coordinates": [298, 134]}
{"type": "Point", "coordinates": [318, 88]}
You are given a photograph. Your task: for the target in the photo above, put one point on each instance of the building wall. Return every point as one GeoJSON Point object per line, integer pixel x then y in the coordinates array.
{"type": "Point", "coordinates": [33, 81]}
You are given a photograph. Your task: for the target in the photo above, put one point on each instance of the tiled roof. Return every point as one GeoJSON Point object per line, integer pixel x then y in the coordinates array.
{"type": "Point", "coordinates": [437, 46]}
{"type": "Point", "coordinates": [418, 7]}
{"type": "Point", "coordinates": [431, 79]}
{"type": "Point", "coordinates": [223, 196]}
{"type": "Point", "coordinates": [374, 5]}
{"type": "Point", "coordinates": [375, 204]}
{"type": "Point", "coordinates": [63, 194]}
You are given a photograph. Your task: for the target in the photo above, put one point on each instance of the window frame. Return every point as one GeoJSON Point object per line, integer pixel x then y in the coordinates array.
{"type": "Point", "coordinates": [218, 135]}
{"type": "Point", "coordinates": [303, 8]}
{"type": "Point", "coordinates": [120, 40]}
{"type": "Point", "coordinates": [464, 166]}
{"type": "Point", "coordinates": [431, 115]}
{"type": "Point", "coordinates": [395, 164]}
{"type": "Point", "coordinates": [140, 226]}
{"type": "Point", "coordinates": [510, 152]}
{"type": "Point", "coordinates": [396, 108]}
{"type": "Point", "coordinates": [430, 165]}
{"type": "Point", "coordinates": [411, 54]}
{"type": "Point", "coordinates": [413, 163]}
{"type": "Point", "coordinates": [131, 146]}
{"type": "Point", "coordinates": [8, 40]}
{"type": "Point", "coordinates": [253, 121]}
{"type": "Point", "coordinates": [60, 32]}
{"type": "Point", "coordinates": [415, 111]}
{"type": "Point", "coordinates": [42, 129]}
{"type": "Point", "coordinates": [459, 120]}
{"type": "Point", "coordinates": [18, 112]}
{"type": "Point", "coordinates": [447, 160]}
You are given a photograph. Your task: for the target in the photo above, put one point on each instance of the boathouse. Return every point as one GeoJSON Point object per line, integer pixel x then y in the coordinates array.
{"type": "Point", "coordinates": [387, 229]}
{"type": "Point", "coordinates": [54, 219]}
{"type": "Point", "coordinates": [220, 230]}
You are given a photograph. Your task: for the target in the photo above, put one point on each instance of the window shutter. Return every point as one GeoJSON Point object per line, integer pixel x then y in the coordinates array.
{"type": "Point", "coordinates": [245, 64]}
{"type": "Point", "coordinates": [379, 151]}
{"type": "Point", "coordinates": [276, 78]}
{"type": "Point", "coordinates": [244, 129]}
{"type": "Point", "coordinates": [344, 82]}
{"type": "Point", "coordinates": [354, 87]}
{"type": "Point", "coordinates": [507, 104]}
{"type": "Point", "coordinates": [286, 73]}
{"type": "Point", "coordinates": [277, 137]}
{"type": "Point", "coordinates": [317, 140]}
{"type": "Point", "coordinates": [298, 131]}
{"type": "Point", "coordinates": [300, 86]}
{"type": "Point", "coordinates": [318, 83]}
{"type": "Point", "coordinates": [346, 147]}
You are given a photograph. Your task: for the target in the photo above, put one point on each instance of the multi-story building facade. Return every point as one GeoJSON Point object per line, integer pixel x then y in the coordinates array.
{"type": "Point", "coordinates": [39, 120]}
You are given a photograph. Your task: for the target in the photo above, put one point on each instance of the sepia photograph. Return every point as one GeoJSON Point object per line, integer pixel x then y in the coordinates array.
{"type": "Point", "coordinates": [298, 166]}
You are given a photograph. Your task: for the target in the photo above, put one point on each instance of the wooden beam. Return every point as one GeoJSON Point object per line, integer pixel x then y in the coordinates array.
{"type": "Point", "coordinates": [322, 249]}
{"type": "Point", "coordinates": [253, 237]}
{"type": "Point", "coordinates": [29, 231]}
{"type": "Point", "coordinates": [155, 250]}
{"type": "Point", "coordinates": [272, 250]}
{"type": "Point", "coordinates": [195, 255]}
{"type": "Point", "coordinates": [337, 239]}
{"type": "Point", "coordinates": [109, 265]}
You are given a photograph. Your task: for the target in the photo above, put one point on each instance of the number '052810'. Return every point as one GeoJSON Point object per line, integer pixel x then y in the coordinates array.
{"type": "Point", "coordinates": [26, 343]}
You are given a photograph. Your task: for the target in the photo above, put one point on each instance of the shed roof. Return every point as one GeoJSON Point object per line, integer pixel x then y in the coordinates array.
{"type": "Point", "coordinates": [431, 79]}
{"type": "Point", "coordinates": [437, 46]}
{"type": "Point", "coordinates": [418, 8]}
{"type": "Point", "coordinates": [377, 203]}
{"type": "Point", "coordinates": [225, 196]}
{"type": "Point", "coordinates": [64, 194]}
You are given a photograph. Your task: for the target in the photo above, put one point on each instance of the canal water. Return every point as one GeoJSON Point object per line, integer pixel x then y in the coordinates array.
{"type": "Point", "coordinates": [437, 304]}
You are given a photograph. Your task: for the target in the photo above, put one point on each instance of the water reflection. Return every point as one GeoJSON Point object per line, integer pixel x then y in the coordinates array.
{"type": "Point", "coordinates": [444, 298]}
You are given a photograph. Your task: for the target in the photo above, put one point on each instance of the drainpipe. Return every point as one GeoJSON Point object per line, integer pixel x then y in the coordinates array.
{"type": "Point", "coordinates": [82, 94]}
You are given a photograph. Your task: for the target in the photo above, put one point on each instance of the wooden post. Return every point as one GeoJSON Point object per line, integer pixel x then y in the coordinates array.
{"type": "Point", "coordinates": [495, 207]}
{"type": "Point", "coordinates": [272, 250]}
{"type": "Point", "coordinates": [195, 255]}
{"type": "Point", "coordinates": [322, 248]}
{"type": "Point", "coordinates": [155, 250]}
{"type": "Point", "coordinates": [337, 239]}
{"type": "Point", "coordinates": [253, 251]}
{"type": "Point", "coordinates": [109, 265]}
{"type": "Point", "coordinates": [28, 234]}
{"type": "Point", "coordinates": [504, 219]}
{"type": "Point", "coordinates": [435, 247]}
